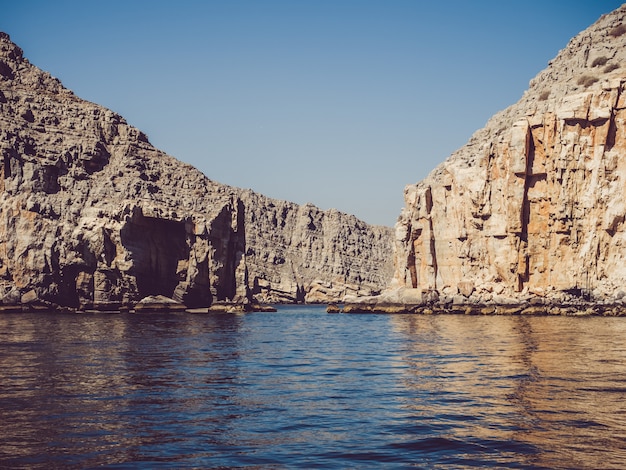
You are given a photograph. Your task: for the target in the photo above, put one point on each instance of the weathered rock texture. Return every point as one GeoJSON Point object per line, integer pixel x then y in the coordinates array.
{"type": "Point", "coordinates": [534, 205]}
{"type": "Point", "coordinates": [93, 215]}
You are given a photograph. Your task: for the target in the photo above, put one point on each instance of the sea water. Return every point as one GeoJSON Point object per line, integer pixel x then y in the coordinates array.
{"type": "Point", "coordinates": [300, 388]}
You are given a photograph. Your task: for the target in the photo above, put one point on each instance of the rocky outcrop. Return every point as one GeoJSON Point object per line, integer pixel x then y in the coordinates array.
{"type": "Point", "coordinates": [92, 215]}
{"type": "Point", "coordinates": [533, 207]}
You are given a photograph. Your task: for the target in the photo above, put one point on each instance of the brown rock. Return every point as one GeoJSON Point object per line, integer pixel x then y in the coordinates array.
{"type": "Point", "coordinates": [466, 288]}
{"type": "Point", "coordinates": [534, 202]}
{"type": "Point", "coordinates": [333, 308]}
{"type": "Point", "coordinates": [29, 297]}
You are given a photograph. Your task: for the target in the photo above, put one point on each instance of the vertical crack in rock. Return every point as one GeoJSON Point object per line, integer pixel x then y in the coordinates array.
{"type": "Point", "coordinates": [431, 247]}
{"type": "Point", "coordinates": [616, 121]}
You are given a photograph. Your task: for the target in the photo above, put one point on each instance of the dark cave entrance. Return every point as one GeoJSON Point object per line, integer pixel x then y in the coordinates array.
{"type": "Point", "coordinates": [156, 247]}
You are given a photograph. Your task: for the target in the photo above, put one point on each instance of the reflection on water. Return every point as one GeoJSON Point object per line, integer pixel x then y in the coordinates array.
{"type": "Point", "coordinates": [300, 388]}
{"type": "Point", "coordinates": [545, 392]}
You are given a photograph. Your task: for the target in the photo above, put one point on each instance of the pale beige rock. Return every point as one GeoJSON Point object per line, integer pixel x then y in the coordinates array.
{"type": "Point", "coordinates": [29, 297]}
{"type": "Point", "coordinates": [466, 288]}
{"type": "Point", "coordinates": [534, 204]}
{"type": "Point", "coordinates": [93, 215]}
{"type": "Point", "coordinates": [158, 303]}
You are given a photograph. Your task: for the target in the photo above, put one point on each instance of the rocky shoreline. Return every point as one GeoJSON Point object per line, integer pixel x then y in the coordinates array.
{"type": "Point", "coordinates": [151, 304]}
{"type": "Point", "coordinates": [414, 301]}
{"type": "Point", "coordinates": [548, 309]}
{"type": "Point", "coordinates": [160, 304]}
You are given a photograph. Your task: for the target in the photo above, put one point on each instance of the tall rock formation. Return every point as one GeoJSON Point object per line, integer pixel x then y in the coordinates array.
{"type": "Point", "coordinates": [93, 215]}
{"type": "Point", "coordinates": [534, 205]}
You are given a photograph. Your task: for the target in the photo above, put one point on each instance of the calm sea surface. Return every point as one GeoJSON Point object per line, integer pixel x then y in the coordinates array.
{"type": "Point", "coordinates": [304, 389]}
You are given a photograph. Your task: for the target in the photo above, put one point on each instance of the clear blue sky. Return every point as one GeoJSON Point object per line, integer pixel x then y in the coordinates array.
{"type": "Point", "coordinates": [336, 102]}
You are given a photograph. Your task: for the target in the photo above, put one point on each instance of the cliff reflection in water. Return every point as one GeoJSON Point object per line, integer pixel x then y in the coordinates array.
{"type": "Point", "coordinates": [300, 389]}
{"type": "Point", "coordinates": [555, 387]}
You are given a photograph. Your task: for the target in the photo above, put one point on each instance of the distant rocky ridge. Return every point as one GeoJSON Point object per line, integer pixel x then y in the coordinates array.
{"type": "Point", "coordinates": [531, 211]}
{"type": "Point", "coordinates": [93, 216]}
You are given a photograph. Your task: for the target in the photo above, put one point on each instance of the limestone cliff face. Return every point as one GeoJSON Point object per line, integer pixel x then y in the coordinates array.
{"type": "Point", "coordinates": [318, 255]}
{"type": "Point", "coordinates": [92, 214]}
{"type": "Point", "coordinates": [535, 203]}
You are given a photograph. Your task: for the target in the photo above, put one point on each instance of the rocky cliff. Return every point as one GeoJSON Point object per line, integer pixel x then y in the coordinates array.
{"type": "Point", "coordinates": [92, 215]}
{"type": "Point", "coordinates": [533, 207]}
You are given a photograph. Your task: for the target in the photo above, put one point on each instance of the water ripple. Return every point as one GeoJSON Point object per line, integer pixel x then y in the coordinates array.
{"type": "Point", "coordinates": [302, 389]}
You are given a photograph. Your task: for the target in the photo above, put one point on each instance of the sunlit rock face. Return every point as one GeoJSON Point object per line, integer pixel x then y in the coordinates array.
{"type": "Point", "coordinates": [534, 203]}
{"type": "Point", "coordinates": [92, 214]}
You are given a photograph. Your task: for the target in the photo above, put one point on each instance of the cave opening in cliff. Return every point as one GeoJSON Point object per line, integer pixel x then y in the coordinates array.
{"type": "Point", "coordinates": [156, 247]}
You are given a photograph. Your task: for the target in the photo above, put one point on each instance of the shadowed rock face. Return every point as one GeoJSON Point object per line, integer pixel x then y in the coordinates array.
{"type": "Point", "coordinates": [535, 203]}
{"type": "Point", "coordinates": [92, 214]}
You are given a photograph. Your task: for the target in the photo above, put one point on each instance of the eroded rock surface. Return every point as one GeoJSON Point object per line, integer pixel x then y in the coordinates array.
{"type": "Point", "coordinates": [534, 205]}
{"type": "Point", "coordinates": [93, 215]}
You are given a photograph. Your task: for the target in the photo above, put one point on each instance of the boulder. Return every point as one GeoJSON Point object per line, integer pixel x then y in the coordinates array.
{"type": "Point", "coordinates": [159, 303]}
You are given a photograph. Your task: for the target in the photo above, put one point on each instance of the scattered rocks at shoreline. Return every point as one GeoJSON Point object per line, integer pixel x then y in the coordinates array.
{"type": "Point", "coordinates": [582, 309]}
{"type": "Point", "coordinates": [150, 304]}
{"type": "Point", "coordinates": [414, 301]}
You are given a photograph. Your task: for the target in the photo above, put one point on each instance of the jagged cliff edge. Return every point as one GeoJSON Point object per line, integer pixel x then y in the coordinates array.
{"type": "Point", "coordinates": [93, 216]}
